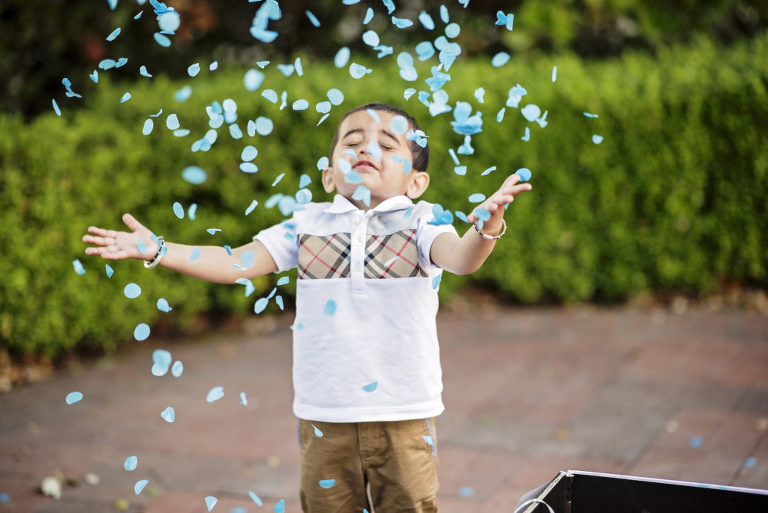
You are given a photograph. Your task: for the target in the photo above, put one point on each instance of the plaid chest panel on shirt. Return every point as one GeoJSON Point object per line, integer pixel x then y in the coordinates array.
{"type": "Point", "coordinates": [394, 255]}
{"type": "Point", "coordinates": [324, 256]}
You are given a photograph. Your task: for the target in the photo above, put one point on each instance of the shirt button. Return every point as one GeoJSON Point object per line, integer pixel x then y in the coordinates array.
{"type": "Point", "coordinates": [357, 268]}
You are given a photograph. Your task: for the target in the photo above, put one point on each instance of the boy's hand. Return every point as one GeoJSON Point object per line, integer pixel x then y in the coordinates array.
{"type": "Point", "coordinates": [115, 245]}
{"type": "Point", "coordinates": [496, 203]}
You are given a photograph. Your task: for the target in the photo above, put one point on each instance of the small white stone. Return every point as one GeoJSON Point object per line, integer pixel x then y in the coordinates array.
{"type": "Point", "coordinates": [51, 487]}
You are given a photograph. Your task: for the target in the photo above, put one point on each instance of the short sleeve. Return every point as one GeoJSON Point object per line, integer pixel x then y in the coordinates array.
{"type": "Point", "coordinates": [426, 234]}
{"type": "Point", "coordinates": [281, 243]}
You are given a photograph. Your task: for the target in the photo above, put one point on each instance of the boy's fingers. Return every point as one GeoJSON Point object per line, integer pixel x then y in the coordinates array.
{"type": "Point", "coordinates": [131, 222]}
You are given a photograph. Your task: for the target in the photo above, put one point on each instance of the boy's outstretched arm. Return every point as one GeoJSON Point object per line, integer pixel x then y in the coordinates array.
{"type": "Point", "coordinates": [213, 264]}
{"type": "Point", "coordinates": [465, 255]}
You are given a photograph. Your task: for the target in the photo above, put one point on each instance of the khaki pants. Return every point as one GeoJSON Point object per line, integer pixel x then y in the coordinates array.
{"type": "Point", "coordinates": [393, 458]}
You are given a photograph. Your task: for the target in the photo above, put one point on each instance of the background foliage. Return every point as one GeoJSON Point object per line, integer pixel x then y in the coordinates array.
{"type": "Point", "coordinates": [42, 41]}
{"type": "Point", "coordinates": [672, 200]}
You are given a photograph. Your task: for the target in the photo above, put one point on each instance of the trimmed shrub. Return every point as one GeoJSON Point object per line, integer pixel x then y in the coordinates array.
{"type": "Point", "coordinates": [672, 200]}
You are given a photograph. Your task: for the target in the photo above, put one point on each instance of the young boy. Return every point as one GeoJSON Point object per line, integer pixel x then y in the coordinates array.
{"type": "Point", "coordinates": [366, 370]}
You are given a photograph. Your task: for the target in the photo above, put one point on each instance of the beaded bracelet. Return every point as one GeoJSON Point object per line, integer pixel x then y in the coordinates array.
{"type": "Point", "coordinates": [492, 237]}
{"type": "Point", "coordinates": [149, 264]}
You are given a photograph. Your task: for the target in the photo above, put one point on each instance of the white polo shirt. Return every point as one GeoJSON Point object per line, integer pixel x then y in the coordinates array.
{"type": "Point", "coordinates": [364, 341]}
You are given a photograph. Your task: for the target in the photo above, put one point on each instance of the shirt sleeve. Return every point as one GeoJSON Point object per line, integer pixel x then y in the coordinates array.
{"type": "Point", "coordinates": [281, 243]}
{"type": "Point", "coordinates": [426, 234]}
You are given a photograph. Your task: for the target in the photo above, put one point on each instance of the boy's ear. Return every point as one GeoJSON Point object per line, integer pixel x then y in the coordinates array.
{"type": "Point", "coordinates": [418, 184]}
{"type": "Point", "coordinates": [327, 178]}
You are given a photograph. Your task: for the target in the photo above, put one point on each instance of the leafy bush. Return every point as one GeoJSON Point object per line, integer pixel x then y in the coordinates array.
{"type": "Point", "coordinates": [673, 199]}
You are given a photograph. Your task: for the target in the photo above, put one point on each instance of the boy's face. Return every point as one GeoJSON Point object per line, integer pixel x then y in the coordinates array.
{"type": "Point", "coordinates": [369, 146]}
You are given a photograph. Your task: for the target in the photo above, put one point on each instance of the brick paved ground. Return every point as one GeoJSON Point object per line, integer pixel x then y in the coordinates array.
{"type": "Point", "coordinates": [529, 392]}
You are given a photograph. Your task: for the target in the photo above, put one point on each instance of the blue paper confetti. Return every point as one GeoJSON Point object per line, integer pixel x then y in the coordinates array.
{"type": "Point", "coordinates": [554, 73]}
{"type": "Point", "coordinates": [326, 483]}
{"type": "Point", "coordinates": [168, 21]}
{"type": "Point", "coordinates": [94, 76]}
{"type": "Point", "coordinates": [335, 96]}
{"type": "Point", "coordinates": [590, 115]}
{"type": "Point", "coordinates": [530, 112]}
{"type": "Point", "coordinates": [74, 397]}
{"type": "Point", "coordinates": [440, 215]}
{"type": "Point", "coordinates": [255, 498]}
{"type": "Point", "coordinates": [358, 70]}
{"type": "Point", "coordinates": [253, 79]}
{"type": "Point", "coordinates": [243, 399]}
{"type": "Point", "coordinates": [112, 35]}
{"type": "Point", "coordinates": [194, 175]}
{"type": "Point", "coordinates": [141, 332]}
{"type": "Point", "coordinates": [260, 305]}
{"type": "Point", "coordinates": [371, 38]}
{"type": "Point", "coordinates": [130, 463]}
{"type": "Point", "coordinates": [251, 207]}
{"type": "Point", "coordinates": [279, 507]}
{"type": "Point", "coordinates": [527, 135]}
{"type": "Point", "coordinates": [466, 491]}
{"type": "Point", "coordinates": [139, 486]}
{"type": "Point", "coordinates": [401, 23]}
{"type": "Point", "coordinates": [214, 394]}
{"type": "Point", "coordinates": [370, 387]}
{"type": "Point", "coordinates": [597, 139]}
{"type": "Point", "coordinates": [161, 362]}
{"type": "Point", "coordinates": [452, 30]}
{"type": "Point", "coordinates": [428, 439]}
{"type": "Point", "coordinates": [178, 210]}
{"type": "Point", "coordinates": [172, 122]}
{"type": "Point", "coordinates": [460, 170]}
{"type": "Point", "coordinates": [318, 433]}
{"type": "Point", "coordinates": [264, 125]}
{"type": "Point", "coordinates": [505, 20]}
{"type": "Point", "coordinates": [342, 57]}
{"type": "Point", "coordinates": [426, 20]}
{"type": "Point", "coordinates": [143, 72]}
{"type": "Point", "coordinates": [330, 307]}
{"type": "Point", "coordinates": [500, 59]}
{"type": "Point", "coordinates": [300, 104]}
{"type": "Point", "coordinates": [168, 415]}
{"type": "Point", "coordinates": [210, 502]}
{"type": "Point", "coordinates": [312, 18]}
{"type": "Point", "coordinates": [696, 442]}
{"type": "Point", "coordinates": [362, 193]}
{"type": "Point", "coordinates": [488, 171]}
{"type": "Point", "coordinates": [436, 281]}
{"type": "Point", "coordinates": [148, 126]}
{"type": "Point", "coordinates": [163, 306]}
{"type": "Point", "coordinates": [476, 197]}
{"type": "Point", "coordinates": [132, 291]}
{"type": "Point", "coordinates": [125, 97]}
{"type": "Point", "coordinates": [195, 254]}
{"type": "Point", "coordinates": [79, 269]}
{"type": "Point", "coordinates": [177, 369]}
{"type": "Point", "coordinates": [524, 173]}
{"type": "Point", "coordinates": [108, 269]}
{"type": "Point", "coordinates": [249, 167]}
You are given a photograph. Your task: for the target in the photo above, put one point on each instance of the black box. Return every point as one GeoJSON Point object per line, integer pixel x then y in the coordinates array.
{"type": "Point", "coordinates": [576, 491]}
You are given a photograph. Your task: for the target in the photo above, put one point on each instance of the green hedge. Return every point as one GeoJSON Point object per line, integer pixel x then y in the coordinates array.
{"type": "Point", "coordinates": [673, 200]}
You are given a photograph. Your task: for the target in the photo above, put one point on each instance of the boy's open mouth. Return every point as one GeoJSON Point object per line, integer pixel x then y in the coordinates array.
{"type": "Point", "coordinates": [365, 163]}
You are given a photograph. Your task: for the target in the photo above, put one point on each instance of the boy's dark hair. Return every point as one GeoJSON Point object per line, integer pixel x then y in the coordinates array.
{"type": "Point", "coordinates": [420, 155]}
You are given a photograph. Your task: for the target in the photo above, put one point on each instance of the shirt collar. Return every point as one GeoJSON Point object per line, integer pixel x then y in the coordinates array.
{"type": "Point", "coordinates": [342, 205]}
